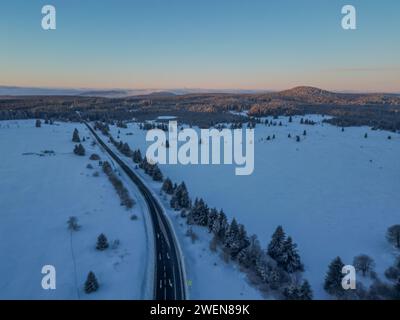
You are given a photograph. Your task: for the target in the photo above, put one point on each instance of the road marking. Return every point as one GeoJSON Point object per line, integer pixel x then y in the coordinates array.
{"type": "Point", "coordinates": [160, 284]}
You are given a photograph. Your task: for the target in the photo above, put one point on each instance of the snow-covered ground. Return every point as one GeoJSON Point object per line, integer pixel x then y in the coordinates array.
{"type": "Point", "coordinates": [39, 193]}
{"type": "Point", "coordinates": [334, 192]}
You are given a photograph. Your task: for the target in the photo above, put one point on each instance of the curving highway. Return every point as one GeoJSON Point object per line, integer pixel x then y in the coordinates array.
{"type": "Point", "coordinates": [169, 279]}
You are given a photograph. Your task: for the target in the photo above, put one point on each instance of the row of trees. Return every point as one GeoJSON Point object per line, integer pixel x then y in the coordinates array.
{"type": "Point", "coordinates": [122, 192]}
{"type": "Point", "coordinates": [152, 125]}
{"type": "Point", "coordinates": [276, 267]}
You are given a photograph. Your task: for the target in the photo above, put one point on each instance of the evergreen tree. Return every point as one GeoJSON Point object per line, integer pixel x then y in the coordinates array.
{"type": "Point", "coordinates": [212, 217]}
{"type": "Point", "coordinates": [75, 136]}
{"type": "Point", "coordinates": [180, 198]}
{"type": "Point", "coordinates": [91, 284]}
{"type": "Point", "coordinates": [167, 186]}
{"type": "Point", "coordinates": [79, 150]}
{"type": "Point", "coordinates": [250, 254]}
{"type": "Point", "coordinates": [198, 214]}
{"type": "Point", "coordinates": [102, 242]}
{"type": "Point", "coordinates": [393, 235]}
{"type": "Point", "coordinates": [306, 291]}
{"type": "Point", "coordinates": [334, 276]}
{"type": "Point", "coordinates": [220, 226]}
{"type": "Point", "coordinates": [137, 156]}
{"type": "Point", "coordinates": [366, 135]}
{"type": "Point", "coordinates": [157, 174]}
{"type": "Point", "coordinates": [297, 138]}
{"type": "Point", "coordinates": [304, 132]}
{"type": "Point", "coordinates": [290, 119]}
{"type": "Point", "coordinates": [292, 292]}
{"type": "Point", "coordinates": [275, 247]}
{"type": "Point", "coordinates": [289, 260]}
{"type": "Point", "coordinates": [38, 123]}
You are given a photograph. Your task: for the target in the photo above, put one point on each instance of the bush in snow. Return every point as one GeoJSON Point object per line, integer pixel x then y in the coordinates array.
{"type": "Point", "coordinates": [89, 166]}
{"type": "Point", "coordinates": [102, 242]}
{"type": "Point", "coordinates": [94, 156]}
{"type": "Point", "coordinates": [91, 284]}
{"type": "Point", "coordinates": [192, 235]}
{"type": "Point", "coordinates": [393, 235]}
{"type": "Point", "coordinates": [134, 217]}
{"type": "Point", "coordinates": [75, 136]}
{"type": "Point", "coordinates": [79, 150]}
{"type": "Point", "coordinates": [73, 224]}
{"type": "Point", "coordinates": [364, 264]}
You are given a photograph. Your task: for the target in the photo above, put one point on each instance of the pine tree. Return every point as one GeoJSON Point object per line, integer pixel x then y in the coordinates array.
{"type": "Point", "coordinates": [102, 242]}
{"type": "Point", "coordinates": [393, 235]}
{"type": "Point", "coordinates": [38, 123]}
{"type": "Point", "coordinates": [289, 260]}
{"type": "Point", "coordinates": [157, 174]}
{"type": "Point", "coordinates": [236, 238]}
{"type": "Point", "coordinates": [180, 198]}
{"type": "Point", "coordinates": [304, 132]}
{"type": "Point", "coordinates": [75, 136]}
{"type": "Point", "coordinates": [292, 292]}
{"type": "Point", "coordinates": [167, 186]}
{"type": "Point", "coordinates": [334, 276]}
{"type": "Point", "coordinates": [249, 255]}
{"type": "Point", "coordinates": [275, 247]}
{"type": "Point", "coordinates": [306, 291]}
{"type": "Point", "coordinates": [297, 138]}
{"type": "Point", "coordinates": [366, 135]}
{"type": "Point", "coordinates": [91, 284]}
{"type": "Point", "coordinates": [220, 226]}
{"type": "Point", "coordinates": [79, 150]}
{"type": "Point", "coordinates": [212, 217]}
{"type": "Point", "coordinates": [290, 119]}
{"type": "Point", "coordinates": [198, 214]}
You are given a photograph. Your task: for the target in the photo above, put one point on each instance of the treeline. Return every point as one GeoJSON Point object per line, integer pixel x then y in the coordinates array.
{"type": "Point", "coordinates": [277, 267]}
{"type": "Point", "coordinates": [122, 192]}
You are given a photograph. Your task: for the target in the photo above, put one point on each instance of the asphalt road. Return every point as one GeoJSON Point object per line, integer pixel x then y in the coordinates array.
{"type": "Point", "coordinates": [169, 282]}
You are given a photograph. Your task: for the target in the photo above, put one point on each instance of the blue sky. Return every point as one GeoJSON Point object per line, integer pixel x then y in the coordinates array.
{"type": "Point", "coordinates": [217, 44]}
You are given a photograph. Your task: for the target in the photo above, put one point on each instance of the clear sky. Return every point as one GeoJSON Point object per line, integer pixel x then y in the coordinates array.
{"type": "Point", "coordinates": [217, 44]}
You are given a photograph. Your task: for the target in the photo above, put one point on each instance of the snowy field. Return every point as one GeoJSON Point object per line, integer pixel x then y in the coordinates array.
{"type": "Point", "coordinates": [334, 192]}
{"type": "Point", "coordinates": [38, 193]}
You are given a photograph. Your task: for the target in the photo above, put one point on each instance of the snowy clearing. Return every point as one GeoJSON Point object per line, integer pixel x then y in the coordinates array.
{"type": "Point", "coordinates": [334, 192]}
{"type": "Point", "coordinates": [38, 193]}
